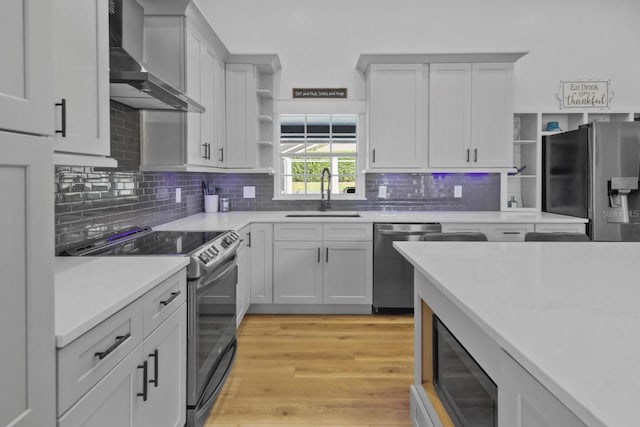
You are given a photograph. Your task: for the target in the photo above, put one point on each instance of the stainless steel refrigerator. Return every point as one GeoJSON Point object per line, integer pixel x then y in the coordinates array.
{"type": "Point", "coordinates": [592, 172]}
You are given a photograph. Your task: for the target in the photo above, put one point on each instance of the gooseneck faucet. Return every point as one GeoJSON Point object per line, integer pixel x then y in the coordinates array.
{"type": "Point", "coordinates": [325, 204]}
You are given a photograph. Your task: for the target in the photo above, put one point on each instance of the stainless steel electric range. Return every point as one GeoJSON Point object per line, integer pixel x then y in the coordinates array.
{"type": "Point", "coordinates": [211, 301]}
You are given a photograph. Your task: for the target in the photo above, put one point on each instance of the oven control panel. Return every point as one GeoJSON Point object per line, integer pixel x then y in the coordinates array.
{"type": "Point", "coordinates": [219, 247]}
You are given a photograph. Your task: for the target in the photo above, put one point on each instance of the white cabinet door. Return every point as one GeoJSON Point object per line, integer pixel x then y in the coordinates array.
{"type": "Point", "coordinates": [492, 115]}
{"type": "Point", "coordinates": [297, 272]}
{"type": "Point", "coordinates": [524, 402]}
{"type": "Point", "coordinates": [348, 273]}
{"type": "Point", "coordinates": [199, 86]}
{"type": "Point", "coordinates": [27, 371]}
{"type": "Point", "coordinates": [396, 116]}
{"type": "Point", "coordinates": [243, 289]}
{"type": "Point", "coordinates": [81, 76]}
{"type": "Point", "coordinates": [26, 99]}
{"type": "Point", "coordinates": [165, 351]}
{"type": "Point", "coordinates": [261, 263]}
{"type": "Point", "coordinates": [450, 115]}
{"type": "Point", "coordinates": [241, 116]}
{"type": "Point", "coordinates": [114, 401]}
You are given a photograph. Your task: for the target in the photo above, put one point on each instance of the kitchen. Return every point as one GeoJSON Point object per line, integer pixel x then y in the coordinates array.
{"type": "Point", "coordinates": [90, 200]}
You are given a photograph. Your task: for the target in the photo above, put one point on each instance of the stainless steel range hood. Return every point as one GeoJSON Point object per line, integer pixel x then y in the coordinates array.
{"type": "Point", "coordinates": [131, 83]}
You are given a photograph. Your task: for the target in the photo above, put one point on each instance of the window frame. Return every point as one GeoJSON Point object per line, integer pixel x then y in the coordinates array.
{"type": "Point", "coordinates": [360, 155]}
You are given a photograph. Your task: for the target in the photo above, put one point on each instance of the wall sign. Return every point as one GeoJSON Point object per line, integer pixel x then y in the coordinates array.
{"type": "Point", "coordinates": [320, 92]}
{"type": "Point", "coordinates": [585, 94]}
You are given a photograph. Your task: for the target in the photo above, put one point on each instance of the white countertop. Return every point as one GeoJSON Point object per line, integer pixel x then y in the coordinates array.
{"type": "Point", "coordinates": [90, 289]}
{"type": "Point", "coordinates": [567, 312]}
{"type": "Point", "coordinates": [238, 219]}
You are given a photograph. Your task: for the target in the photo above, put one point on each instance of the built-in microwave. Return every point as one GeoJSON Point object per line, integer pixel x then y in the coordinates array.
{"type": "Point", "coordinates": [467, 393]}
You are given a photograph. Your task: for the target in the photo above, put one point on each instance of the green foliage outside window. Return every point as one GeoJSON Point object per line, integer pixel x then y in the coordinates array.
{"type": "Point", "coordinates": [346, 166]}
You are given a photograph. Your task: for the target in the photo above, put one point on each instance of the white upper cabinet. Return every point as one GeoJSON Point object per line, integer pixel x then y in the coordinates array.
{"type": "Point", "coordinates": [184, 141]}
{"type": "Point", "coordinates": [26, 101]}
{"type": "Point", "coordinates": [81, 76]}
{"type": "Point", "coordinates": [396, 116]}
{"type": "Point", "coordinates": [241, 114]}
{"type": "Point", "coordinates": [450, 115]}
{"type": "Point", "coordinates": [470, 115]}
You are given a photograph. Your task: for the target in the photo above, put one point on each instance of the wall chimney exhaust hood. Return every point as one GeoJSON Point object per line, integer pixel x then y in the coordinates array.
{"type": "Point", "coordinates": [131, 83]}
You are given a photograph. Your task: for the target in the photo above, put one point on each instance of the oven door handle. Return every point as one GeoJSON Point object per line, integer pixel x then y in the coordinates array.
{"type": "Point", "coordinates": [226, 268]}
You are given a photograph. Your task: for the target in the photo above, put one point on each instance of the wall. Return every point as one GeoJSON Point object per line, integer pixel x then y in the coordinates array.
{"type": "Point", "coordinates": [91, 201]}
{"type": "Point", "coordinates": [319, 42]}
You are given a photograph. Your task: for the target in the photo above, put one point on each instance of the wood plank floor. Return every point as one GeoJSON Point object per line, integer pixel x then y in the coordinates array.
{"type": "Point", "coordinates": [311, 370]}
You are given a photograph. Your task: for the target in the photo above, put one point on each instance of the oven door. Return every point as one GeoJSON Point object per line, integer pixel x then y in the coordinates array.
{"type": "Point", "coordinates": [212, 325]}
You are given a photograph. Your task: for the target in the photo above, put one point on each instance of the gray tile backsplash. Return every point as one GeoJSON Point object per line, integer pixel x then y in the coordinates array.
{"type": "Point", "coordinates": [93, 201]}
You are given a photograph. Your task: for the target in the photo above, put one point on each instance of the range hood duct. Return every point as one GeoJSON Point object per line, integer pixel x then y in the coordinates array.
{"type": "Point", "coordinates": [131, 83]}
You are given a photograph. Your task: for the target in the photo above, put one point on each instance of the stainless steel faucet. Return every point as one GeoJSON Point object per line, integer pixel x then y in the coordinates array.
{"type": "Point", "coordinates": [325, 204]}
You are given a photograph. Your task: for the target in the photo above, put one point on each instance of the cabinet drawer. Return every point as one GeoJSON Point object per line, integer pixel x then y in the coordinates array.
{"type": "Point", "coordinates": [508, 232]}
{"type": "Point", "coordinates": [80, 365]}
{"type": "Point", "coordinates": [164, 299]}
{"type": "Point", "coordinates": [464, 228]}
{"type": "Point", "coordinates": [348, 232]}
{"type": "Point", "coordinates": [297, 231]}
{"type": "Point", "coordinates": [559, 228]}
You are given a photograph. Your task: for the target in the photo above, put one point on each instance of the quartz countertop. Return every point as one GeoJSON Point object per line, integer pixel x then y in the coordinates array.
{"type": "Point", "coordinates": [90, 289]}
{"type": "Point", "coordinates": [235, 220]}
{"type": "Point", "coordinates": [567, 312]}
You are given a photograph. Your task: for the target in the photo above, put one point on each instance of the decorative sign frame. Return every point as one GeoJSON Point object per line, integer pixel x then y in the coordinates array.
{"type": "Point", "coordinates": [320, 92]}
{"type": "Point", "coordinates": [585, 94]}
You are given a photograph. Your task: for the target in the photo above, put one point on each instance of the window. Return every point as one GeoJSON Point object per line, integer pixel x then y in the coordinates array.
{"type": "Point", "coordinates": [309, 143]}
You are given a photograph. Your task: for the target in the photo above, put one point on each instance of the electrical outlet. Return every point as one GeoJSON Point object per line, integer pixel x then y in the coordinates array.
{"type": "Point", "coordinates": [249, 192]}
{"type": "Point", "coordinates": [457, 191]}
{"type": "Point", "coordinates": [382, 191]}
{"type": "Point", "coordinates": [178, 195]}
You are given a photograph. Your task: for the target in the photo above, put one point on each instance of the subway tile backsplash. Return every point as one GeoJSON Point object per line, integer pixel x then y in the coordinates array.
{"type": "Point", "coordinates": [92, 201]}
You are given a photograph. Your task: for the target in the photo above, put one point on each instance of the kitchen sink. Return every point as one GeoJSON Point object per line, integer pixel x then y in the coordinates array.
{"type": "Point", "coordinates": [323, 215]}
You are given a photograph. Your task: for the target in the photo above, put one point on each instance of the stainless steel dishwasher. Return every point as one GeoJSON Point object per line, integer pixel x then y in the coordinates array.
{"type": "Point", "coordinates": [392, 274]}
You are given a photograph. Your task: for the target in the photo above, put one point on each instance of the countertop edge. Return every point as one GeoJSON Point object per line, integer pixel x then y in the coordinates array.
{"type": "Point", "coordinates": [64, 338]}
{"type": "Point", "coordinates": [553, 387]}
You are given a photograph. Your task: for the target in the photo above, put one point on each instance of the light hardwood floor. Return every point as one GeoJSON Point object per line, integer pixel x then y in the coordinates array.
{"type": "Point", "coordinates": [310, 370]}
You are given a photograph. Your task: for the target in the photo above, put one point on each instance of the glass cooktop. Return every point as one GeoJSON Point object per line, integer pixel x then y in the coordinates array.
{"type": "Point", "coordinates": [152, 243]}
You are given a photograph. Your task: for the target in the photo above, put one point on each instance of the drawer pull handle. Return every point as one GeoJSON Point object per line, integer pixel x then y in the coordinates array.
{"type": "Point", "coordinates": [154, 381]}
{"type": "Point", "coordinates": [63, 106]}
{"type": "Point", "coordinates": [173, 296]}
{"type": "Point", "coordinates": [511, 232]}
{"type": "Point", "coordinates": [119, 340]}
{"type": "Point", "coordinates": [145, 377]}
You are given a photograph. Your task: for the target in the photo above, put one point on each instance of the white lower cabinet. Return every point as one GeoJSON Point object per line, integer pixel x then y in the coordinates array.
{"type": "Point", "coordinates": [243, 288]}
{"type": "Point", "coordinates": [113, 401]}
{"type": "Point", "coordinates": [261, 263]}
{"type": "Point", "coordinates": [524, 402]}
{"type": "Point", "coordinates": [114, 376]}
{"type": "Point", "coordinates": [511, 232]}
{"type": "Point", "coordinates": [494, 232]}
{"type": "Point", "coordinates": [166, 353]}
{"type": "Point", "coordinates": [313, 264]}
{"type": "Point", "coordinates": [348, 273]}
{"type": "Point", "coordinates": [297, 272]}
{"type": "Point", "coordinates": [560, 228]}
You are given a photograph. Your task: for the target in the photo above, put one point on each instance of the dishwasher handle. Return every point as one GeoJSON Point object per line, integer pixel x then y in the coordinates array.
{"type": "Point", "coordinates": [407, 229]}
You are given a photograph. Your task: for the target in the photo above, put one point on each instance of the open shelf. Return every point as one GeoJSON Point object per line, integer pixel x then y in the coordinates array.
{"type": "Point", "coordinates": [264, 93]}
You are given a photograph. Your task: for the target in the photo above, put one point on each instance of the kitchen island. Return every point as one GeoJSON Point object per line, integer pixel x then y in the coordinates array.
{"type": "Point", "coordinates": [555, 325]}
